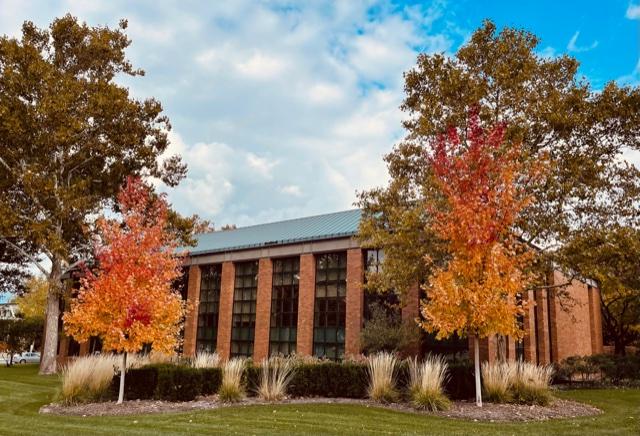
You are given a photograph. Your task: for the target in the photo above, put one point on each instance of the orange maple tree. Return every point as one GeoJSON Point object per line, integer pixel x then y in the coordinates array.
{"type": "Point", "coordinates": [481, 189]}
{"type": "Point", "coordinates": [127, 300]}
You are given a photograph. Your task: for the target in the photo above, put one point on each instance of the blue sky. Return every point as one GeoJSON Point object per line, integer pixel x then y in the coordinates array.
{"type": "Point", "coordinates": [284, 109]}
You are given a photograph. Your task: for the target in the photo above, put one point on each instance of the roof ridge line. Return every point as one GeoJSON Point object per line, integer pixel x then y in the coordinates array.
{"type": "Point", "coordinates": [282, 221]}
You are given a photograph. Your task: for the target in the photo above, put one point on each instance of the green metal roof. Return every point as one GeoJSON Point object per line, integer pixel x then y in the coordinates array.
{"type": "Point", "coordinates": [313, 228]}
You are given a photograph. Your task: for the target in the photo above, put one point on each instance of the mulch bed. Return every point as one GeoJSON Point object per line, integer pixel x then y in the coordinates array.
{"type": "Point", "coordinates": [460, 409]}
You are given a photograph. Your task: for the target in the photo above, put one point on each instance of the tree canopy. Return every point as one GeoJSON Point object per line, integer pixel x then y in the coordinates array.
{"type": "Point", "coordinates": [70, 135]}
{"type": "Point", "coordinates": [547, 109]}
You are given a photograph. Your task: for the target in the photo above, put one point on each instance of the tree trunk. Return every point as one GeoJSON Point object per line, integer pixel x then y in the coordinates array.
{"type": "Point", "coordinates": [620, 348]}
{"type": "Point", "coordinates": [476, 360]}
{"type": "Point", "coordinates": [123, 370]}
{"type": "Point", "coordinates": [49, 349]}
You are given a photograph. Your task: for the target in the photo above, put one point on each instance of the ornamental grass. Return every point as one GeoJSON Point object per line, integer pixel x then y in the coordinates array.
{"type": "Point", "coordinates": [275, 375]}
{"type": "Point", "coordinates": [426, 383]}
{"type": "Point", "coordinates": [382, 371]}
{"type": "Point", "coordinates": [231, 390]}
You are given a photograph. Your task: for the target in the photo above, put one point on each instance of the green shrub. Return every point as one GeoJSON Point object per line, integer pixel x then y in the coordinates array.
{"type": "Point", "coordinates": [178, 383]}
{"type": "Point", "coordinates": [330, 379]}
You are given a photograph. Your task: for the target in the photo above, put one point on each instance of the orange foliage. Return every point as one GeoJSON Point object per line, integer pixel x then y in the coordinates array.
{"type": "Point", "coordinates": [482, 185]}
{"type": "Point", "coordinates": [128, 301]}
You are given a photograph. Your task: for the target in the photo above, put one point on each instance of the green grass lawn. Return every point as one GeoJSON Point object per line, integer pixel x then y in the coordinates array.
{"type": "Point", "coordinates": [22, 392]}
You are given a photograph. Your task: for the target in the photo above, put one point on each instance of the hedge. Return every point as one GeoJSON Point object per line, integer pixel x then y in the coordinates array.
{"type": "Point", "coordinates": [323, 379]}
{"type": "Point", "coordinates": [168, 382]}
{"type": "Point", "coordinates": [600, 367]}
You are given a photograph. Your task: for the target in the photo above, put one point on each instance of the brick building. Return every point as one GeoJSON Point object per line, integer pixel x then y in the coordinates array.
{"type": "Point", "coordinates": [297, 286]}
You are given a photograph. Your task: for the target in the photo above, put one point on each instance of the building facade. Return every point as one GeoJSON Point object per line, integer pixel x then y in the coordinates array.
{"type": "Point", "coordinates": [297, 286]}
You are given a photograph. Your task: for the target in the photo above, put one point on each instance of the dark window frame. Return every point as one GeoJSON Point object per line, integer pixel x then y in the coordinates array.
{"type": "Point", "coordinates": [329, 319]}
{"type": "Point", "coordinates": [243, 318]}
{"type": "Point", "coordinates": [209, 307]}
{"type": "Point", "coordinates": [285, 290]}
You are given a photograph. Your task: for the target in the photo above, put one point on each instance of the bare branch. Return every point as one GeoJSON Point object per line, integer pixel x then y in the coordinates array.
{"type": "Point", "coordinates": [27, 255]}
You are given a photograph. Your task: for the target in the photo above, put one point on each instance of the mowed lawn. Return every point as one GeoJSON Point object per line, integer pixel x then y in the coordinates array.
{"type": "Point", "coordinates": [22, 392]}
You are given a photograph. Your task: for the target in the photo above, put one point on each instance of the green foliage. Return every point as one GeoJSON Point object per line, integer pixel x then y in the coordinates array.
{"type": "Point", "coordinates": [33, 302]}
{"type": "Point", "coordinates": [16, 335]}
{"type": "Point", "coordinates": [601, 368]}
{"type": "Point", "coordinates": [387, 332]}
{"type": "Point", "coordinates": [330, 379]}
{"type": "Point", "coordinates": [168, 382]}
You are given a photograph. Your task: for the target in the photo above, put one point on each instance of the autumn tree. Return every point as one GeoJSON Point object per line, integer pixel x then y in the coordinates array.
{"type": "Point", "coordinates": [479, 190]}
{"type": "Point", "coordinates": [33, 302]}
{"type": "Point", "coordinates": [546, 108]}
{"type": "Point", "coordinates": [127, 300]}
{"type": "Point", "coordinates": [69, 137]}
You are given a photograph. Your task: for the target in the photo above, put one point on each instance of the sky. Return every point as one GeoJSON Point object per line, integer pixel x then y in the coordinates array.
{"type": "Point", "coordinates": [284, 109]}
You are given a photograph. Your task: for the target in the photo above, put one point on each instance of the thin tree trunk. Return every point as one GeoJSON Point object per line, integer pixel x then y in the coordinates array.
{"type": "Point", "coordinates": [49, 349]}
{"type": "Point", "coordinates": [476, 359]}
{"type": "Point", "coordinates": [123, 370]}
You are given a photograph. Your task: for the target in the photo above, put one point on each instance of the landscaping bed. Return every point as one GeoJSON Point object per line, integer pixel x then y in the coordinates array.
{"type": "Point", "coordinates": [459, 409]}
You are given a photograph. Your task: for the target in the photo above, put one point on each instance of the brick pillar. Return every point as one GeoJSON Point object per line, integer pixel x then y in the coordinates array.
{"type": "Point", "coordinates": [411, 304]}
{"type": "Point", "coordinates": [410, 311]}
{"type": "Point", "coordinates": [263, 310]}
{"type": "Point", "coordinates": [226, 310]}
{"type": "Point", "coordinates": [191, 320]}
{"type": "Point", "coordinates": [306, 301]}
{"type": "Point", "coordinates": [354, 301]}
{"type": "Point", "coordinates": [553, 325]}
{"type": "Point", "coordinates": [487, 346]}
{"type": "Point", "coordinates": [529, 329]}
{"type": "Point", "coordinates": [84, 348]}
{"type": "Point", "coordinates": [511, 349]}
{"type": "Point", "coordinates": [542, 334]}
{"type": "Point", "coordinates": [595, 320]}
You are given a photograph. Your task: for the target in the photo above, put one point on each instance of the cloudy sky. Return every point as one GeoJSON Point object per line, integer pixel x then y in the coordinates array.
{"type": "Point", "coordinates": [284, 109]}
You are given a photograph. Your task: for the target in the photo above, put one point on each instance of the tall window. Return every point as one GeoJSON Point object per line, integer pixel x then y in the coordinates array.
{"type": "Point", "coordinates": [519, 343]}
{"type": "Point", "coordinates": [244, 309]}
{"type": "Point", "coordinates": [387, 301]}
{"type": "Point", "coordinates": [284, 306]}
{"type": "Point", "coordinates": [330, 305]}
{"type": "Point", "coordinates": [207, 336]}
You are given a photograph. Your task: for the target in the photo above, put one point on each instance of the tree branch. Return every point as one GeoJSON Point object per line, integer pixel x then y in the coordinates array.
{"type": "Point", "coordinates": [27, 255]}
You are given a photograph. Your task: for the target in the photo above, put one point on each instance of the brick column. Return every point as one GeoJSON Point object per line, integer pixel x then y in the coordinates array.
{"type": "Point", "coordinates": [411, 304]}
{"type": "Point", "coordinates": [306, 301]}
{"type": "Point", "coordinates": [595, 318]}
{"type": "Point", "coordinates": [226, 310]}
{"type": "Point", "coordinates": [354, 301]}
{"type": "Point", "coordinates": [263, 310]}
{"type": "Point", "coordinates": [191, 320]}
{"type": "Point", "coordinates": [542, 334]}
{"type": "Point", "coordinates": [530, 329]}
{"type": "Point", "coordinates": [84, 348]}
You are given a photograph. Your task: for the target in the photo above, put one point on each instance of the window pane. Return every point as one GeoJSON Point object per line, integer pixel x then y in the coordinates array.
{"type": "Point", "coordinates": [329, 312]}
{"type": "Point", "coordinates": [244, 309]}
{"type": "Point", "coordinates": [284, 306]}
{"type": "Point", "coordinates": [207, 333]}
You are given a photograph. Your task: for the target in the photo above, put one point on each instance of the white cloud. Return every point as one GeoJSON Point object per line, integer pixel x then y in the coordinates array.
{"type": "Point", "coordinates": [292, 190]}
{"type": "Point", "coordinates": [572, 46]}
{"type": "Point", "coordinates": [261, 165]}
{"type": "Point", "coordinates": [548, 52]}
{"type": "Point", "coordinates": [260, 66]}
{"type": "Point", "coordinates": [633, 12]}
{"type": "Point", "coordinates": [279, 110]}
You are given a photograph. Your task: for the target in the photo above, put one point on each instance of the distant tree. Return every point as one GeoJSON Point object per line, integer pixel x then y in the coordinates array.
{"type": "Point", "coordinates": [387, 331]}
{"type": "Point", "coordinates": [547, 109]}
{"type": "Point", "coordinates": [128, 300]}
{"type": "Point", "coordinates": [70, 136]}
{"type": "Point", "coordinates": [228, 227]}
{"type": "Point", "coordinates": [16, 335]}
{"type": "Point", "coordinates": [32, 304]}
{"type": "Point", "coordinates": [480, 189]}
{"type": "Point", "coordinates": [13, 267]}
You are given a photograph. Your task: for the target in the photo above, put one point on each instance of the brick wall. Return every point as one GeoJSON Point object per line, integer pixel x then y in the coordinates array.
{"type": "Point", "coordinates": [263, 310]}
{"type": "Point", "coordinates": [570, 320]}
{"type": "Point", "coordinates": [354, 301]}
{"type": "Point", "coordinates": [226, 310]}
{"type": "Point", "coordinates": [191, 320]}
{"type": "Point", "coordinates": [306, 300]}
